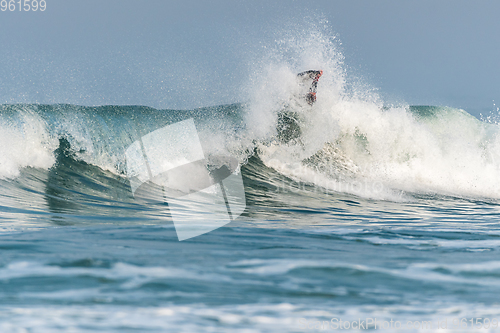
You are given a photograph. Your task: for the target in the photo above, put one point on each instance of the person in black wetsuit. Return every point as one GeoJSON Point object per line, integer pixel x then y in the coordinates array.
{"type": "Point", "coordinates": [288, 121]}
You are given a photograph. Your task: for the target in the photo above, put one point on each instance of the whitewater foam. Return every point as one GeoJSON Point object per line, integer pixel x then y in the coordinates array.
{"type": "Point", "coordinates": [24, 142]}
{"type": "Point", "coordinates": [350, 137]}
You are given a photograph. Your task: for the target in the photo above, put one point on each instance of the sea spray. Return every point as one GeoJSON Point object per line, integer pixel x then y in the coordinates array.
{"type": "Point", "coordinates": [24, 141]}
{"type": "Point", "coordinates": [351, 131]}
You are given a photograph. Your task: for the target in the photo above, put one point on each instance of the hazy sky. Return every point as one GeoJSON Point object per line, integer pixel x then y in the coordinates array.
{"type": "Point", "coordinates": [187, 54]}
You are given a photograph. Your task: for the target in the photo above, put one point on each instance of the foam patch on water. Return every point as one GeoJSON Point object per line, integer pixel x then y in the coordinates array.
{"type": "Point", "coordinates": [246, 318]}
{"type": "Point", "coordinates": [131, 275]}
{"type": "Point", "coordinates": [429, 272]}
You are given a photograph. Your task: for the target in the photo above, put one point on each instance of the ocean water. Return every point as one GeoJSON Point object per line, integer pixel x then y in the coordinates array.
{"type": "Point", "coordinates": [379, 216]}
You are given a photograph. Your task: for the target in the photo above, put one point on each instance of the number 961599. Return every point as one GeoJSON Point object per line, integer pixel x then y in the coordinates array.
{"type": "Point", "coordinates": [23, 5]}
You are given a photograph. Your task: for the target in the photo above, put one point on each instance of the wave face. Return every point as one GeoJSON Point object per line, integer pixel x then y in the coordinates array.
{"type": "Point", "coordinates": [74, 156]}
{"type": "Point", "coordinates": [354, 147]}
{"type": "Point", "coordinates": [379, 211]}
